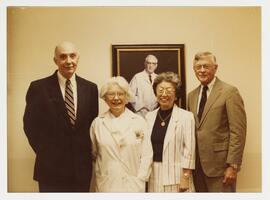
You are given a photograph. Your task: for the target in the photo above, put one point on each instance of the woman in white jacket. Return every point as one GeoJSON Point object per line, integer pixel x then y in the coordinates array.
{"type": "Point", "coordinates": [121, 144]}
{"type": "Point", "coordinates": [173, 139]}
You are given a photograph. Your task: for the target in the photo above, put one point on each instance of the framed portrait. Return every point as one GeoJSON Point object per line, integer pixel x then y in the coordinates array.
{"type": "Point", "coordinates": [127, 60]}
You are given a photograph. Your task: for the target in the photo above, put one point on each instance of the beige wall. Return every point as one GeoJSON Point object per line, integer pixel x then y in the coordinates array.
{"type": "Point", "coordinates": [232, 34]}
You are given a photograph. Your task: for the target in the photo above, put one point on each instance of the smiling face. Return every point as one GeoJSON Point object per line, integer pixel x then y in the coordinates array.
{"type": "Point", "coordinates": [66, 58]}
{"type": "Point", "coordinates": [116, 99]}
{"type": "Point", "coordinates": [205, 69]}
{"type": "Point", "coordinates": [165, 95]}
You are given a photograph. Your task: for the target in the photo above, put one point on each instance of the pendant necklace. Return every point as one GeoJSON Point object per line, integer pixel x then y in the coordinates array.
{"type": "Point", "coordinates": [163, 120]}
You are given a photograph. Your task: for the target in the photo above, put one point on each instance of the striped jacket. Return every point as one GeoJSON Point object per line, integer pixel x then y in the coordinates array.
{"type": "Point", "coordinates": [179, 144]}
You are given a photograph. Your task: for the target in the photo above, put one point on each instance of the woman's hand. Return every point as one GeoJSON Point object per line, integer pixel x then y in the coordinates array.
{"type": "Point", "coordinates": [184, 181]}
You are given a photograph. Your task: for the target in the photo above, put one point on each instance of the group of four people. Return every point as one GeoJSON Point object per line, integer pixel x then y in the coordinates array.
{"type": "Point", "coordinates": [169, 148]}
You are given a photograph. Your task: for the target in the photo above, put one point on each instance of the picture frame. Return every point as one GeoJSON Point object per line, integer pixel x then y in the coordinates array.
{"type": "Point", "coordinates": [128, 59]}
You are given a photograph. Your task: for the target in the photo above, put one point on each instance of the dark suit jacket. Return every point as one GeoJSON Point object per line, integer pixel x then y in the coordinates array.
{"type": "Point", "coordinates": [61, 152]}
{"type": "Point", "coordinates": [221, 133]}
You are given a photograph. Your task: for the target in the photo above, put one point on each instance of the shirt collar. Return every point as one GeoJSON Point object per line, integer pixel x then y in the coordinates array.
{"type": "Point", "coordinates": [210, 85]}
{"type": "Point", "coordinates": [62, 79]}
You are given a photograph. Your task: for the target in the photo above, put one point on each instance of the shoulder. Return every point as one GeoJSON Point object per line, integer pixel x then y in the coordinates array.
{"type": "Point", "coordinates": [139, 74]}
{"type": "Point", "coordinates": [227, 88]}
{"type": "Point", "coordinates": [151, 114]}
{"type": "Point", "coordinates": [134, 116]}
{"type": "Point", "coordinates": [44, 81]}
{"type": "Point", "coordinates": [85, 82]}
{"type": "Point", "coordinates": [183, 113]}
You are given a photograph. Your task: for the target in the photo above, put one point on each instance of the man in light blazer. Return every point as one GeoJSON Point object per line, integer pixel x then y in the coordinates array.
{"type": "Point", "coordinates": [220, 128]}
{"type": "Point", "coordinates": [58, 114]}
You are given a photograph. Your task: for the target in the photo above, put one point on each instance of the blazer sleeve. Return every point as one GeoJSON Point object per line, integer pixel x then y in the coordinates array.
{"type": "Point", "coordinates": [93, 140]}
{"type": "Point", "coordinates": [238, 125]}
{"type": "Point", "coordinates": [188, 143]}
{"type": "Point", "coordinates": [147, 154]}
{"type": "Point", "coordinates": [32, 119]}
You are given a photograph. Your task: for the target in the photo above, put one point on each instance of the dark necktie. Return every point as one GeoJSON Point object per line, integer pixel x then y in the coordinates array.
{"type": "Point", "coordinates": [150, 78]}
{"type": "Point", "coordinates": [69, 102]}
{"type": "Point", "coordinates": [202, 102]}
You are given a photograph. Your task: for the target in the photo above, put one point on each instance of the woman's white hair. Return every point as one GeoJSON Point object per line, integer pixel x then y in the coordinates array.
{"type": "Point", "coordinates": [120, 82]}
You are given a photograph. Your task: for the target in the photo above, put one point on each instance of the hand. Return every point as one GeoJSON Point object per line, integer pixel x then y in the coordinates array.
{"type": "Point", "coordinates": [230, 176]}
{"type": "Point", "coordinates": [184, 184]}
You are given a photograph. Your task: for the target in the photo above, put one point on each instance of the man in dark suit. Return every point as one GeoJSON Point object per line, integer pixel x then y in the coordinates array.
{"type": "Point", "coordinates": [220, 128]}
{"type": "Point", "coordinates": [58, 114]}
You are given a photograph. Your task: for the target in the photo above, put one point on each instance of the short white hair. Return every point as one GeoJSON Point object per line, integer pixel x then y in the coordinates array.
{"type": "Point", "coordinates": [120, 82]}
{"type": "Point", "coordinates": [200, 55]}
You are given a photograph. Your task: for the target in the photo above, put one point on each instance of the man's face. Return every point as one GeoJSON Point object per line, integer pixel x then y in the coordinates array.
{"type": "Point", "coordinates": [205, 69]}
{"type": "Point", "coordinates": [150, 64]}
{"type": "Point", "coordinates": [66, 58]}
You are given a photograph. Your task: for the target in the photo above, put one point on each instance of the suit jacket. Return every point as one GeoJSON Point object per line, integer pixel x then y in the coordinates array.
{"type": "Point", "coordinates": [123, 152]}
{"type": "Point", "coordinates": [61, 151]}
{"type": "Point", "coordinates": [179, 144]}
{"type": "Point", "coordinates": [221, 132]}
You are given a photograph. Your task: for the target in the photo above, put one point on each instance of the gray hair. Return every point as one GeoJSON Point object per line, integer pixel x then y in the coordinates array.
{"type": "Point", "coordinates": [198, 56]}
{"type": "Point", "coordinates": [149, 56]}
{"type": "Point", "coordinates": [170, 77]}
{"type": "Point", "coordinates": [120, 82]}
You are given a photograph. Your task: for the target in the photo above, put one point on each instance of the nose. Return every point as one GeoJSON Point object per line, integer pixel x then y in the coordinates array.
{"type": "Point", "coordinates": [164, 93]}
{"type": "Point", "coordinates": [116, 96]}
{"type": "Point", "coordinates": [69, 59]}
{"type": "Point", "coordinates": [202, 68]}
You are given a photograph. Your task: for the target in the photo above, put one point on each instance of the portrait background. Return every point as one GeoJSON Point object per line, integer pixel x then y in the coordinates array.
{"type": "Point", "coordinates": [127, 60]}
{"type": "Point", "coordinates": [233, 34]}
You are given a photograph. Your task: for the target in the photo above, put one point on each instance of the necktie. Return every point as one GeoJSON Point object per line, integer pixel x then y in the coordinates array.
{"type": "Point", "coordinates": [202, 102]}
{"type": "Point", "coordinates": [150, 78]}
{"type": "Point", "coordinates": [69, 102]}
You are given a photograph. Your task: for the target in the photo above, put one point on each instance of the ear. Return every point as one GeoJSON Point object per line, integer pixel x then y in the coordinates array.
{"type": "Point", "coordinates": [54, 59]}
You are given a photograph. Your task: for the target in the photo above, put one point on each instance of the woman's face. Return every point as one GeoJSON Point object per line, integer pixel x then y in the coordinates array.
{"type": "Point", "coordinates": [165, 95]}
{"type": "Point", "coordinates": [116, 99]}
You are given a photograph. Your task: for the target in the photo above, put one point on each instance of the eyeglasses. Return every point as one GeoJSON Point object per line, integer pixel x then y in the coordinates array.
{"type": "Point", "coordinates": [153, 63]}
{"type": "Point", "coordinates": [206, 67]}
{"type": "Point", "coordinates": [168, 90]}
{"type": "Point", "coordinates": [112, 95]}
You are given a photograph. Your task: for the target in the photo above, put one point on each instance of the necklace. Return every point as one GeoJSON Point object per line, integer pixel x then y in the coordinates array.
{"type": "Point", "coordinates": [163, 120]}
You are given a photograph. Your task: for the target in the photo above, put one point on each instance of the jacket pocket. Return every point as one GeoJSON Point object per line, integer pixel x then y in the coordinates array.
{"type": "Point", "coordinates": [220, 146]}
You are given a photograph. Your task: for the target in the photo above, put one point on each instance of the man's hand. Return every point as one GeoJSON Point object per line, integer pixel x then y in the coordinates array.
{"type": "Point", "coordinates": [230, 176]}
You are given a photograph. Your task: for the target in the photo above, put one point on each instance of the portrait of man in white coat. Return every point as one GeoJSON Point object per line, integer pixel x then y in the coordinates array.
{"type": "Point", "coordinates": [141, 85]}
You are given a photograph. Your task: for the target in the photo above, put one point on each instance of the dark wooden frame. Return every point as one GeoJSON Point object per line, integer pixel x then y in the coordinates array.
{"type": "Point", "coordinates": [128, 60]}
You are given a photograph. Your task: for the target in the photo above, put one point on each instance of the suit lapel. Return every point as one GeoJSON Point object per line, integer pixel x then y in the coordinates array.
{"type": "Point", "coordinates": [194, 104]}
{"type": "Point", "coordinates": [171, 127]}
{"type": "Point", "coordinates": [81, 100]}
{"type": "Point", "coordinates": [215, 93]}
{"type": "Point", "coordinates": [57, 97]}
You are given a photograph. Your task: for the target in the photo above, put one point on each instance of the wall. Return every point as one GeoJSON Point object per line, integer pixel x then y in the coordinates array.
{"type": "Point", "coordinates": [233, 34]}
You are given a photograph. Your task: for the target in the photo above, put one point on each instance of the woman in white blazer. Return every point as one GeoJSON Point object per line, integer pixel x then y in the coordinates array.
{"type": "Point", "coordinates": [121, 144]}
{"type": "Point", "coordinates": [173, 139]}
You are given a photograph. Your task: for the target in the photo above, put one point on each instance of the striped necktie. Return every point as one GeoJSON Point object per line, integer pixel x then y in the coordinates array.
{"type": "Point", "coordinates": [69, 102]}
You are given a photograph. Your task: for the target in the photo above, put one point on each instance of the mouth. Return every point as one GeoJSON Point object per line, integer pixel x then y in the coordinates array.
{"type": "Point", "coordinates": [69, 66]}
{"type": "Point", "coordinates": [116, 103]}
{"type": "Point", "coordinates": [163, 100]}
